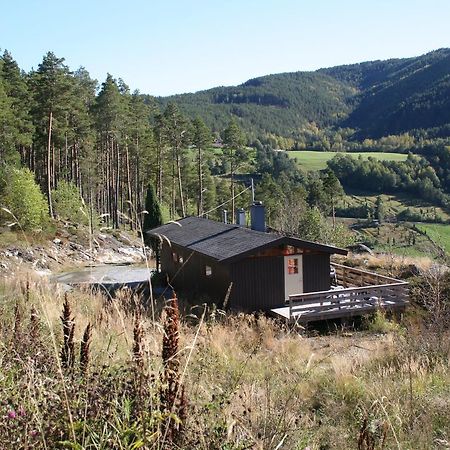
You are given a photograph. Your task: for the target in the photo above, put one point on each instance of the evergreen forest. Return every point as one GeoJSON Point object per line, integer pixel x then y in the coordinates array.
{"type": "Point", "coordinates": [82, 151]}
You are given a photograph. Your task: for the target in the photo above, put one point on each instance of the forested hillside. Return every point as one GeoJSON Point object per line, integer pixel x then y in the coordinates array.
{"type": "Point", "coordinates": [278, 104]}
{"type": "Point", "coordinates": [374, 99]}
{"type": "Point", "coordinates": [55, 125]}
{"type": "Point", "coordinates": [399, 95]}
{"type": "Point", "coordinates": [90, 151]}
{"type": "Point", "coordinates": [79, 151]}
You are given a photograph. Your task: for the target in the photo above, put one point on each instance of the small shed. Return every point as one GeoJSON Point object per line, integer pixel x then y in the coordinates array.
{"type": "Point", "coordinates": [247, 269]}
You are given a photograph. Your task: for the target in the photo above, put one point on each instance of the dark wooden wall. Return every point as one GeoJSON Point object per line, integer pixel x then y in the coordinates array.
{"type": "Point", "coordinates": [316, 272]}
{"type": "Point", "coordinates": [190, 277]}
{"type": "Point", "coordinates": [258, 283]}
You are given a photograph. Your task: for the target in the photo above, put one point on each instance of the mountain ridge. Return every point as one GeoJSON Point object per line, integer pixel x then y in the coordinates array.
{"type": "Point", "coordinates": [375, 98]}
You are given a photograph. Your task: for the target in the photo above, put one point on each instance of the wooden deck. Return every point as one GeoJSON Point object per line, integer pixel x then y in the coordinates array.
{"type": "Point", "coordinates": [357, 292]}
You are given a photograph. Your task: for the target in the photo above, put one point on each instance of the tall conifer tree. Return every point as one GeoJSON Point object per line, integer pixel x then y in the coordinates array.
{"type": "Point", "coordinates": [201, 139]}
{"type": "Point", "coordinates": [153, 218]}
{"type": "Point", "coordinates": [52, 88]}
{"type": "Point", "coordinates": [233, 140]}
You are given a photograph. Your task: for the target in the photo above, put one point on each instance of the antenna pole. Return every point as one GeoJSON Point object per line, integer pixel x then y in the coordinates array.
{"type": "Point", "coordinates": [253, 192]}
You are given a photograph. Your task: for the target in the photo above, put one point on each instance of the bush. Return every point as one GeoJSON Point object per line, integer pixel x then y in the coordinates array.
{"type": "Point", "coordinates": [379, 323]}
{"type": "Point", "coordinates": [23, 199]}
{"type": "Point", "coordinates": [68, 204]}
{"type": "Point", "coordinates": [409, 215]}
{"type": "Point", "coordinates": [357, 212]}
{"type": "Point", "coordinates": [314, 226]}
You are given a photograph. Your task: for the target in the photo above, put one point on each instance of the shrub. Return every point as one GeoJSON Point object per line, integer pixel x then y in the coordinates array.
{"type": "Point", "coordinates": [68, 204]}
{"type": "Point", "coordinates": [379, 323]}
{"type": "Point", "coordinates": [23, 199]}
{"type": "Point", "coordinates": [315, 226]}
{"type": "Point", "coordinates": [357, 212]}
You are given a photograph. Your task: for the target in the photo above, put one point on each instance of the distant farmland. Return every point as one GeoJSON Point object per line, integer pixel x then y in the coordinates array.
{"type": "Point", "coordinates": [438, 233]}
{"type": "Point", "coordinates": [316, 160]}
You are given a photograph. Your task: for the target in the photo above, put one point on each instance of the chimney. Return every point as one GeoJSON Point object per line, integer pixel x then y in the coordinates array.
{"type": "Point", "coordinates": [225, 216]}
{"type": "Point", "coordinates": [240, 217]}
{"type": "Point", "coordinates": [258, 216]}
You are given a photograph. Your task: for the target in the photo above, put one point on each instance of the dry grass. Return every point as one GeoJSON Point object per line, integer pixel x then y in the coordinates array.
{"type": "Point", "coordinates": [387, 263]}
{"type": "Point", "coordinates": [248, 382]}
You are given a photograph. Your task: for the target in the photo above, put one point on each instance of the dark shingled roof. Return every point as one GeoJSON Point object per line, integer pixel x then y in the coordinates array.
{"type": "Point", "coordinates": [225, 242]}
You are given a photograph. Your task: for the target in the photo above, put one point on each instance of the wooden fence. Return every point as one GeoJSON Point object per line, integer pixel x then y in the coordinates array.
{"type": "Point", "coordinates": [351, 277]}
{"type": "Point", "coordinates": [359, 292]}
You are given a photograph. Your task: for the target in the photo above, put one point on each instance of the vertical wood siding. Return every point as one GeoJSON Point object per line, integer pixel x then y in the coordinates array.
{"type": "Point", "coordinates": [316, 272]}
{"type": "Point", "coordinates": [258, 283]}
{"type": "Point", "coordinates": [190, 277]}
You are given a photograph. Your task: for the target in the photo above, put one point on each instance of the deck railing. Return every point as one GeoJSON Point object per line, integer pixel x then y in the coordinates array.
{"type": "Point", "coordinates": [359, 292]}
{"type": "Point", "coordinates": [352, 277]}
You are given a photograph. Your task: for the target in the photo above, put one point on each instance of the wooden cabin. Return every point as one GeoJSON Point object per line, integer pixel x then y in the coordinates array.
{"type": "Point", "coordinates": [246, 269]}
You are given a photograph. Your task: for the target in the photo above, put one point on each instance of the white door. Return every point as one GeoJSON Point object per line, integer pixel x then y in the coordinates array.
{"type": "Point", "coordinates": [293, 275]}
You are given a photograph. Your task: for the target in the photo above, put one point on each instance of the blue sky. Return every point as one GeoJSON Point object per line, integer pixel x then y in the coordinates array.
{"type": "Point", "coordinates": [175, 46]}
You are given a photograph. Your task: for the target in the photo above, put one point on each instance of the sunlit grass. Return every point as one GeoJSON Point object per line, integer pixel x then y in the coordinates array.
{"type": "Point", "coordinates": [250, 382]}
{"type": "Point", "coordinates": [316, 160]}
{"type": "Point", "coordinates": [439, 233]}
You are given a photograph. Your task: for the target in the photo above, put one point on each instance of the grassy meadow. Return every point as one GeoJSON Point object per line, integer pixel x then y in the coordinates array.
{"type": "Point", "coordinates": [209, 380]}
{"type": "Point", "coordinates": [402, 238]}
{"type": "Point", "coordinates": [438, 233]}
{"type": "Point", "coordinates": [395, 204]}
{"type": "Point", "coordinates": [317, 160]}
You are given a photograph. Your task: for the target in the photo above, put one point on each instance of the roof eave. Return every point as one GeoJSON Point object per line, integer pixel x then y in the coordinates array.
{"type": "Point", "coordinates": [190, 250]}
{"type": "Point", "coordinates": [290, 241]}
{"type": "Point", "coordinates": [239, 256]}
{"type": "Point", "coordinates": [316, 246]}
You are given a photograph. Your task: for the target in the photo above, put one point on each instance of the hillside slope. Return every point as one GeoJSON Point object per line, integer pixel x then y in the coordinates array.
{"type": "Point", "coordinates": [277, 104]}
{"type": "Point", "coordinates": [376, 98]}
{"type": "Point", "coordinates": [398, 95]}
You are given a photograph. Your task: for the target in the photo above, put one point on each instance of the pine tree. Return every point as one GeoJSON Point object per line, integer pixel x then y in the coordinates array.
{"type": "Point", "coordinates": [51, 85]}
{"type": "Point", "coordinates": [177, 130]}
{"type": "Point", "coordinates": [201, 139]}
{"type": "Point", "coordinates": [109, 117]}
{"type": "Point", "coordinates": [79, 135]}
{"type": "Point", "coordinates": [160, 137]}
{"type": "Point", "coordinates": [7, 127]}
{"type": "Point", "coordinates": [379, 209]}
{"type": "Point", "coordinates": [15, 87]}
{"type": "Point", "coordinates": [233, 140]}
{"type": "Point", "coordinates": [141, 156]}
{"type": "Point", "coordinates": [333, 190]}
{"type": "Point", "coordinates": [153, 219]}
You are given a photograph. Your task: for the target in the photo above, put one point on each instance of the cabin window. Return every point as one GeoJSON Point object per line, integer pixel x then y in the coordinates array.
{"type": "Point", "coordinates": [174, 257]}
{"type": "Point", "coordinates": [292, 266]}
{"type": "Point", "coordinates": [208, 271]}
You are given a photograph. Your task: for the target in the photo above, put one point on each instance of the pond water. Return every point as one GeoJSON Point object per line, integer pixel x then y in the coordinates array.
{"type": "Point", "coordinates": [106, 275]}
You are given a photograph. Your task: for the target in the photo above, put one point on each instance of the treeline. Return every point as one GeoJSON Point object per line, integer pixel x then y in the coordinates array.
{"type": "Point", "coordinates": [349, 104]}
{"type": "Point", "coordinates": [415, 176]}
{"type": "Point", "coordinates": [96, 149]}
{"type": "Point", "coordinates": [275, 104]}
{"type": "Point", "coordinates": [106, 143]}
{"type": "Point", "coordinates": [55, 124]}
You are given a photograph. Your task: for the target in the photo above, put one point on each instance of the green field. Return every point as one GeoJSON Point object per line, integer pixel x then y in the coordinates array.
{"type": "Point", "coordinates": [438, 233]}
{"type": "Point", "coordinates": [315, 160]}
{"type": "Point", "coordinates": [394, 204]}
